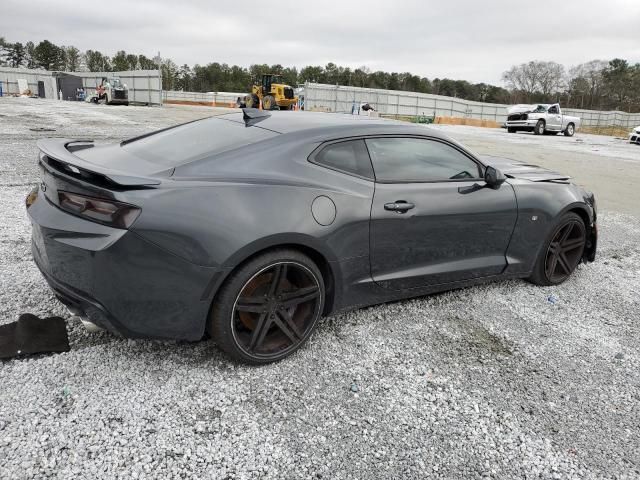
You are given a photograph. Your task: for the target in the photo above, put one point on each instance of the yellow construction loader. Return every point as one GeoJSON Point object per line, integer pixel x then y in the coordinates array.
{"type": "Point", "coordinates": [273, 92]}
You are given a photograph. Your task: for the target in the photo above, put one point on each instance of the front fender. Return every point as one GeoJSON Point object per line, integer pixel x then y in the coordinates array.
{"type": "Point", "coordinates": [540, 204]}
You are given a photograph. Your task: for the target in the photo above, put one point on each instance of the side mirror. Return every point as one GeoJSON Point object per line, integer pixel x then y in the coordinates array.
{"type": "Point", "coordinates": [494, 177]}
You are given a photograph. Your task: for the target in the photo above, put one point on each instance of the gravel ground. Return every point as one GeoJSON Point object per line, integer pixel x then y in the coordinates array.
{"type": "Point", "coordinates": [506, 380]}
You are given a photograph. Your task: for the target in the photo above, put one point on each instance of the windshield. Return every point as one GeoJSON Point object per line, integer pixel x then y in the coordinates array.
{"type": "Point", "coordinates": [195, 140]}
{"type": "Point", "coordinates": [540, 109]}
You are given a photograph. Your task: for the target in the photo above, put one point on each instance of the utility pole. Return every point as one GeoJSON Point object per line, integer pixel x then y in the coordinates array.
{"type": "Point", "coordinates": [159, 78]}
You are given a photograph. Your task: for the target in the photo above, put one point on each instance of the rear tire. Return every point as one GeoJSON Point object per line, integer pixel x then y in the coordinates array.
{"type": "Point", "coordinates": [539, 129]}
{"type": "Point", "coordinates": [268, 307]}
{"type": "Point", "coordinates": [561, 252]}
{"type": "Point", "coordinates": [570, 130]}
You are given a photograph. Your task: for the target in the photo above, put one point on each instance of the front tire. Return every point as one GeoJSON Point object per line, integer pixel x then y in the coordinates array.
{"type": "Point", "coordinates": [269, 103]}
{"type": "Point", "coordinates": [570, 130]}
{"type": "Point", "coordinates": [251, 101]}
{"type": "Point", "coordinates": [268, 308]}
{"type": "Point", "coordinates": [511, 130]}
{"type": "Point", "coordinates": [561, 252]}
{"type": "Point", "coordinates": [539, 129]}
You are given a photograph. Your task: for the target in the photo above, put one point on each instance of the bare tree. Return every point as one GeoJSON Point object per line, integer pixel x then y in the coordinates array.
{"type": "Point", "coordinates": [545, 78]}
{"type": "Point", "coordinates": [586, 81]}
{"type": "Point", "coordinates": [551, 78]}
{"type": "Point", "coordinates": [523, 78]}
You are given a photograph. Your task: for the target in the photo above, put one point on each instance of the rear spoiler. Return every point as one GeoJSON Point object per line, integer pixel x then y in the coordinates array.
{"type": "Point", "coordinates": [60, 150]}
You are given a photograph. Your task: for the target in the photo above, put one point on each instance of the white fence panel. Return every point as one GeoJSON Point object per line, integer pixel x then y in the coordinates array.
{"type": "Point", "coordinates": [9, 80]}
{"type": "Point", "coordinates": [144, 85]}
{"type": "Point", "coordinates": [339, 98]}
{"type": "Point", "coordinates": [213, 98]}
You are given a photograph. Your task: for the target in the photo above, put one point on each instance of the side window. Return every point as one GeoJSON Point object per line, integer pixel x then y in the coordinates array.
{"type": "Point", "coordinates": [553, 109]}
{"type": "Point", "coordinates": [419, 160]}
{"type": "Point", "coordinates": [349, 157]}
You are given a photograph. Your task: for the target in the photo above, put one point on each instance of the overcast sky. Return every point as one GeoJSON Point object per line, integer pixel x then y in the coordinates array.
{"type": "Point", "coordinates": [462, 39]}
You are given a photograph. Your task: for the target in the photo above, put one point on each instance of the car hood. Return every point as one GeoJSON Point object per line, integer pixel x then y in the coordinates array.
{"type": "Point", "coordinates": [523, 108]}
{"type": "Point", "coordinates": [516, 169]}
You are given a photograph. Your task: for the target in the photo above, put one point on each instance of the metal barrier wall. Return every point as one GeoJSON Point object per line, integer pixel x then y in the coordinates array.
{"type": "Point", "coordinates": [145, 86]}
{"type": "Point", "coordinates": [211, 98]}
{"type": "Point", "coordinates": [9, 80]}
{"type": "Point", "coordinates": [337, 98]}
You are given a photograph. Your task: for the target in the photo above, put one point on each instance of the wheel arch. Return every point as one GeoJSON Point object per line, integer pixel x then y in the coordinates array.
{"type": "Point", "coordinates": [582, 212]}
{"type": "Point", "coordinates": [321, 256]}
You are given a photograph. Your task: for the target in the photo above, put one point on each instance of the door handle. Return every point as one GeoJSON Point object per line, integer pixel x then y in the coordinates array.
{"type": "Point", "coordinates": [399, 206]}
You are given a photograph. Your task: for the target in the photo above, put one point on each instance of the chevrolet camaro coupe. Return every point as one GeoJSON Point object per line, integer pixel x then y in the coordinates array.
{"type": "Point", "coordinates": [250, 226]}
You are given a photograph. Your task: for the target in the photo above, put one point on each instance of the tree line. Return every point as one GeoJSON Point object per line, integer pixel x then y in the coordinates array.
{"type": "Point", "coordinates": [594, 85]}
{"type": "Point", "coordinates": [605, 85]}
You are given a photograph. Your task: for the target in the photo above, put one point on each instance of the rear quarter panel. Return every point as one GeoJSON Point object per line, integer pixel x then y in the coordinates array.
{"type": "Point", "coordinates": [219, 211]}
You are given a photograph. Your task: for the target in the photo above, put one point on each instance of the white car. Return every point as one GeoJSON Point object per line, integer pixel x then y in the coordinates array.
{"type": "Point", "coordinates": [541, 119]}
{"type": "Point", "coordinates": [634, 136]}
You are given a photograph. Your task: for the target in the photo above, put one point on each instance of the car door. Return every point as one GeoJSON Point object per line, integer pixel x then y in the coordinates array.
{"type": "Point", "coordinates": [554, 119]}
{"type": "Point", "coordinates": [433, 219]}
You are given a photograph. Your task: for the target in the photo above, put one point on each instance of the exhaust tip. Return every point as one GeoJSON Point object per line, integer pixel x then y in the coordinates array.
{"type": "Point", "coordinates": [88, 325]}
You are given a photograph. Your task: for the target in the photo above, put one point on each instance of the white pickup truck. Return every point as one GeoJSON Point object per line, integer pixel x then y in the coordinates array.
{"type": "Point", "coordinates": [541, 119]}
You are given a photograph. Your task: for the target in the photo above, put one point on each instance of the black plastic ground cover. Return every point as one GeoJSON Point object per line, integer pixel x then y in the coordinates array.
{"type": "Point", "coordinates": [31, 335]}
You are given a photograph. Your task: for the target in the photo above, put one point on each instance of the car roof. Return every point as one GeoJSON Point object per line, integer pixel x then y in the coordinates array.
{"type": "Point", "coordinates": [317, 123]}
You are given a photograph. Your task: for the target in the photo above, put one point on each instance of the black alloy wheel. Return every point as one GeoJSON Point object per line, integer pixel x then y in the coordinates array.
{"type": "Point", "coordinates": [562, 252]}
{"type": "Point", "coordinates": [275, 307]}
{"type": "Point", "coordinates": [565, 251]}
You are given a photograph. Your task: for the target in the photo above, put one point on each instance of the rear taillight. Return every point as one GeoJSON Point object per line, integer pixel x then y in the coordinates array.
{"type": "Point", "coordinates": [101, 210]}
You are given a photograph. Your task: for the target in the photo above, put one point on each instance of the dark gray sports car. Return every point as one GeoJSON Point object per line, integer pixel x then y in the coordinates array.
{"type": "Point", "coordinates": [252, 225]}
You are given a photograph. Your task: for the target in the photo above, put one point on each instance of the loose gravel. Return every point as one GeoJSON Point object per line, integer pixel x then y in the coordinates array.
{"type": "Point", "coordinates": [506, 380]}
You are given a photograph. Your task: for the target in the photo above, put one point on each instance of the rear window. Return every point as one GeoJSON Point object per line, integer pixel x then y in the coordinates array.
{"type": "Point", "coordinates": [349, 157]}
{"type": "Point", "coordinates": [195, 140]}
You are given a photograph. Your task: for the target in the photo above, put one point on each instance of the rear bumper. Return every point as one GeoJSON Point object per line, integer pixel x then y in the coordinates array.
{"type": "Point", "coordinates": [117, 279]}
{"type": "Point", "coordinates": [287, 102]}
{"type": "Point", "coordinates": [80, 303]}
